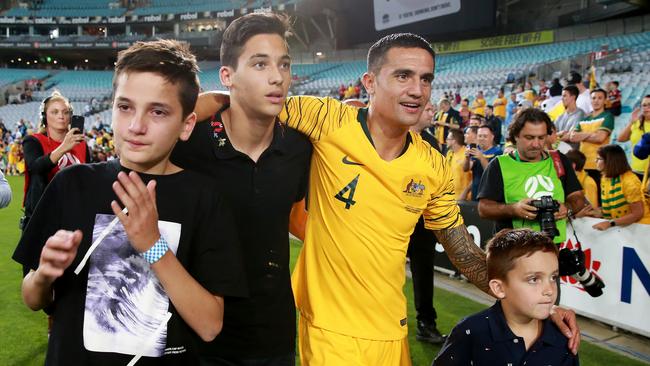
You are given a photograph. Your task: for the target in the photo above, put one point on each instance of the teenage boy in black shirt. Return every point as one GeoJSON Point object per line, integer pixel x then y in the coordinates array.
{"type": "Point", "coordinates": [261, 168]}
{"type": "Point", "coordinates": [158, 275]}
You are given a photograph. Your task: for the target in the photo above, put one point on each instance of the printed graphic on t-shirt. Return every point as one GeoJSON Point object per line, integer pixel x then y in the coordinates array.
{"type": "Point", "coordinates": [125, 302]}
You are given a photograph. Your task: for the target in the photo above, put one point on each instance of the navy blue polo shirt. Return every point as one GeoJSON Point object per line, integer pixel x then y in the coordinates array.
{"type": "Point", "coordinates": [484, 339]}
{"type": "Point", "coordinates": [260, 195]}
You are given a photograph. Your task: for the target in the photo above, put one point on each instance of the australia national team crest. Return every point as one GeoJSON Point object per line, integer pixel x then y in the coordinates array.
{"type": "Point", "coordinates": [412, 191]}
{"type": "Point", "coordinates": [414, 188]}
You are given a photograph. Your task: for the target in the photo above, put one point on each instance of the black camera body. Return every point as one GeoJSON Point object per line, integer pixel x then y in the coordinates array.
{"type": "Point", "coordinates": [546, 209]}
{"type": "Point", "coordinates": [572, 261]}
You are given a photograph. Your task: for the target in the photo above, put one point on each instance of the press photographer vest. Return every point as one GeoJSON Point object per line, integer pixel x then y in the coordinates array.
{"type": "Point", "coordinates": [531, 179]}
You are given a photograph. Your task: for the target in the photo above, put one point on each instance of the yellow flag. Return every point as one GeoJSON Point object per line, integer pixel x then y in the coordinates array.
{"type": "Point", "coordinates": [592, 78]}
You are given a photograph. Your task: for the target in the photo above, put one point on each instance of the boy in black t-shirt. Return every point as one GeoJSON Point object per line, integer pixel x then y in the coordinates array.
{"type": "Point", "coordinates": [156, 273]}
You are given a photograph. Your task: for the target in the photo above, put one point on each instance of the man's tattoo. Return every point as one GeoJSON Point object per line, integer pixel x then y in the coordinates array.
{"type": "Point", "coordinates": [465, 255]}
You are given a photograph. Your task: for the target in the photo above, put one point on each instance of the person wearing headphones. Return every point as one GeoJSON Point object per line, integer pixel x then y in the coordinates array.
{"type": "Point", "coordinates": [54, 147]}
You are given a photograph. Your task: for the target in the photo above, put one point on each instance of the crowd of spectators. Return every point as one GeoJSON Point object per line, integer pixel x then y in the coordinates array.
{"type": "Point", "coordinates": [583, 121]}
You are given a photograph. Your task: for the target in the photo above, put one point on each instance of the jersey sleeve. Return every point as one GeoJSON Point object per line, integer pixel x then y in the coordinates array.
{"type": "Point", "coordinates": [316, 117]}
{"type": "Point", "coordinates": [442, 211]}
{"type": "Point", "coordinates": [632, 188]}
{"type": "Point", "coordinates": [608, 123]}
{"type": "Point", "coordinates": [578, 126]}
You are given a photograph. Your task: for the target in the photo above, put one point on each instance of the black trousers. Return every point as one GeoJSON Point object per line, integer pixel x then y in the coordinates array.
{"type": "Point", "coordinates": [421, 252]}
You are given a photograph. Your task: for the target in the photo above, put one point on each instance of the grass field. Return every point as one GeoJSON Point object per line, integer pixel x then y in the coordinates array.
{"type": "Point", "coordinates": [23, 332]}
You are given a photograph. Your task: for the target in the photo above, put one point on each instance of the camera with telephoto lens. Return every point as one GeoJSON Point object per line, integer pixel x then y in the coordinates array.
{"type": "Point", "coordinates": [572, 261]}
{"type": "Point", "coordinates": [546, 209]}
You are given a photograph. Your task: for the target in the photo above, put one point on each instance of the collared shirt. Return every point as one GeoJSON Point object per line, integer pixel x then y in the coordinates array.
{"type": "Point", "coordinates": [261, 195]}
{"type": "Point", "coordinates": [484, 339]}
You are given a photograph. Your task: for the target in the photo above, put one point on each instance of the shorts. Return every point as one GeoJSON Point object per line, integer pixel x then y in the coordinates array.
{"type": "Point", "coordinates": [320, 347]}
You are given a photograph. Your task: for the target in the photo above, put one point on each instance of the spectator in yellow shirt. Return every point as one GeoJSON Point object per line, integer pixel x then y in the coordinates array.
{"type": "Point", "coordinates": [589, 186]}
{"type": "Point", "coordinates": [622, 199]}
{"type": "Point", "coordinates": [479, 104]}
{"type": "Point", "coordinates": [455, 159]}
{"type": "Point", "coordinates": [500, 103]}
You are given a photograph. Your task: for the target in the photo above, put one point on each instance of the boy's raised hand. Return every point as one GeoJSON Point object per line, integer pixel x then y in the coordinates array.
{"type": "Point", "coordinates": [58, 253]}
{"type": "Point", "coordinates": [141, 222]}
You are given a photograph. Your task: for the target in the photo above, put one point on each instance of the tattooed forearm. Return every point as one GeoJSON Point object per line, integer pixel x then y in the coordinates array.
{"type": "Point", "coordinates": [465, 255]}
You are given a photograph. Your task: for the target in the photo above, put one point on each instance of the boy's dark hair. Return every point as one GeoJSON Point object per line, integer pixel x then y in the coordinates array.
{"type": "Point", "coordinates": [528, 115]}
{"type": "Point", "coordinates": [378, 51]}
{"type": "Point", "coordinates": [508, 245]}
{"type": "Point", "coordinates": [458, 136]}
{"type": "Point", "coordinates": [573, 90]}
{"type": "Point", "coordinates": [244, 28]}
{"type": "Point", "coordinates": [599, 90]}
{"type": "Point", "coordinates": [577, 158]}
{"type": "Point", "coordinates": [168, 58]}
{"type": "Point", "coordinates": [615, 83]}
{"type": "Point", "coordinates": [614, 159]}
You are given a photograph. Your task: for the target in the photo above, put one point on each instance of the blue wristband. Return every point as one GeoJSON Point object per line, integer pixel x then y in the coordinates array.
{"type": "Point", "coordinates": [156, 252]}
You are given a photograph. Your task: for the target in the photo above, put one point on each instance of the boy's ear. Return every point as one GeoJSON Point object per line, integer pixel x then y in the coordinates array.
{"type": "Point", "coordinates": [498, 288]}
{"type": "Point", "coordinates": [188, 126]}
{"type": "Point", "coordinates": [225, 75]}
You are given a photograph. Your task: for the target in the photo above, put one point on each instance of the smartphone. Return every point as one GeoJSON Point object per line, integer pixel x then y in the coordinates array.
{"type": "Point", "coordinates": [472, 146]}
{"type": "Point", "coordinates": [78, 122]}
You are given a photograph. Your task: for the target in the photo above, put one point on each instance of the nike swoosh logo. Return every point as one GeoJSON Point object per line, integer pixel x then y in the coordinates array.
{"type": "Point", "coordinates": [349, 162]}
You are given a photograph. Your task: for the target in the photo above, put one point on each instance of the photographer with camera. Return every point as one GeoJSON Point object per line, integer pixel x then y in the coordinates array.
{"type": "Point", "coordinates": [513, 185]}
{"type": "Point", "coordinates": [532, 187]}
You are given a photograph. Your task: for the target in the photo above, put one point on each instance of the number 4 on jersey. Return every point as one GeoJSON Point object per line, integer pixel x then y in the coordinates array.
{"type": "Point", "coordinates": [352, 186]}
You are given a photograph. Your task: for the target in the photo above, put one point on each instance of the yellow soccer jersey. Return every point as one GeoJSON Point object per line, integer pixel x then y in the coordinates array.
{"type": "Point", "coordinates": [362, 211]}
{"type": "Point", "coordinates": [462, 179]}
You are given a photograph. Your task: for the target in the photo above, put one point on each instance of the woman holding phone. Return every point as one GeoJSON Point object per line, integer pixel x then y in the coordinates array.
{"type": "Point", "coordinates": [53, 148]}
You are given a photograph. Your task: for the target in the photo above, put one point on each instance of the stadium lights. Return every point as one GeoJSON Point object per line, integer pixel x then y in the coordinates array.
{"type": "Point", "coordinates": [55, 62]}
{"type": "Point", "coordinates": [12, 61]}
{"type": "Point", "coordinates": [319, 53]}
{"type": "Point", "coordinates": [86, 60]}
{"type": "Point", "coordinates": [19, 59]}
{"type": "Point", "coordinates": [48, 58]}
{"type": "Point", "coordinates": [35, 61]}
{"type": "Point", "coordinates": [27, 62]}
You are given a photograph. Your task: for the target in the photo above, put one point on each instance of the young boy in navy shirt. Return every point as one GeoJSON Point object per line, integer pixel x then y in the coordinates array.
{"type": "Point", "coordinates": [516, 330]}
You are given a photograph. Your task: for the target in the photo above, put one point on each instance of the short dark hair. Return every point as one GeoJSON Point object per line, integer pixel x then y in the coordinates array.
{"type": "Point", "coordinates": [530, 115]}
{"type": "Point", "coordinates": [378, 51]}
{"type": "Point", "coordinates": [615, 83]}
{"type": "Point", "coordinates": [599, 90]}
{"type": "Point", "coordinates": [573, 90]}
{"type": "Point", "coordinates": [578, 158]}
{"type": "Point", "coordinates": [458, 136]}
{"type": "Point", "coordinates": [486, 126]}
{"type": "Point", "coordinates": [168, 58]}
{"type": "Point", "coordinates": [490, 107]}
{"type": "Point", "coordinates": [244, 28]}
{"type": "Point", "coordinates": [508, 245]}
{"type": "Point", "coordinates": [614, 159]}
{"type": "Point", "coordinates": [473, 129]}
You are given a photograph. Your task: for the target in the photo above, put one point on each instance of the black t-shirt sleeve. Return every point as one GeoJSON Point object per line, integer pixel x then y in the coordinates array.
{"type": "Point", "coordinates": [35, 161]}
{"type": "Point", "coordinates": [570, 182]}
{"type": "Point", "coordinates": [491, 186]}
{"type": "Point", "coordinates": [217, 263]}
{"type": "Point", "coordinates": [43, 224]}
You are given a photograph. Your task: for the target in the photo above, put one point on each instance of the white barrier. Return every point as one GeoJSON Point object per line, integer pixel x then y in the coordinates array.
{"type": "Point", "coordinates": [621, 257]}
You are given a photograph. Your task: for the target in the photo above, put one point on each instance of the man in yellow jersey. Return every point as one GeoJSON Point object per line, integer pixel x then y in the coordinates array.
{"type": "Point", "coordinates": [445, 119]}
{"type": "Point", "coordinates": [499, 104]}
{"type": "Point", "coordinates": [370, 181]}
